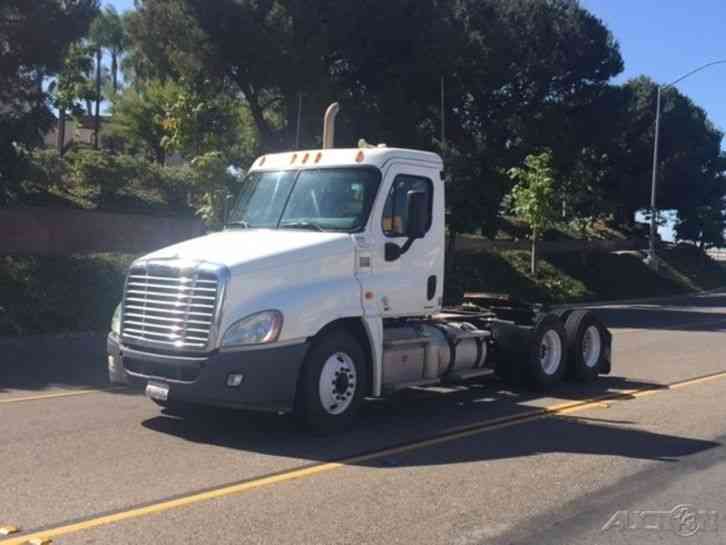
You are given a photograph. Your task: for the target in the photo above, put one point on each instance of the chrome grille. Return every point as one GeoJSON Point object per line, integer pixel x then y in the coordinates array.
{"type": "Point", "coordinates": [168, 306]}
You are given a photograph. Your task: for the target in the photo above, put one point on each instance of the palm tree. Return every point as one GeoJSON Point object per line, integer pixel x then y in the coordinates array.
{"type": "Point", "coordinates": [107, 32]}
{"type": "Point", "coordinates": [117, 41]}
{"type": "Point", "coordinates": [98, 39]}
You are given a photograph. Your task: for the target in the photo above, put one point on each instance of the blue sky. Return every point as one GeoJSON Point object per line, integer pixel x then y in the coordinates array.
{"type": "Point", "coordinates": [666, 39]}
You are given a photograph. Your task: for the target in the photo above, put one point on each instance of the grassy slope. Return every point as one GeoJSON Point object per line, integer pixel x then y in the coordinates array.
{"type": "Point", "coordinates": [574, 277]}
{"type": "Point", "coordinates": [59, 294]}
{"type": "Point", "coordinates": [79, 293]}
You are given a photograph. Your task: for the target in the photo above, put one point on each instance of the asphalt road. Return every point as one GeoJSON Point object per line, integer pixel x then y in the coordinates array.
{"type": "Point", "coordinates": [607, 464]}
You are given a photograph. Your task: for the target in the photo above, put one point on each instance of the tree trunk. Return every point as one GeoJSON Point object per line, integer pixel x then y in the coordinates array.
{"type": "Point", "coordinates": [97, 119]}
{"type": "Point", "coordinates": [61, 136]}
{"type": "Point", "coordinates": [533, 264]}
{"type": "Point", "coordinates": [114, 70]}
{"type": "Point", "coordinates": [258, 116]}
{"type": "Point", "coordinates": [451, 251]}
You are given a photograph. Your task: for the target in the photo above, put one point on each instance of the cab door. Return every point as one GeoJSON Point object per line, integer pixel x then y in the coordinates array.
{"type": "Point", "coordinates": [410, 284]}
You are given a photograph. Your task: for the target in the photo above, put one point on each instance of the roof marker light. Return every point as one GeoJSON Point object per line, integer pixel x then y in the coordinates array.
{"type": "Point", "coordinates": [294, 156]}
{"type": "Point", "coordinates": [305, 158]}
{"type": "Point", "coordinates": [318, 156]}
{"type": "Point", "coordinates": [262, 161]}
{"type": "Point", "coordinates": [359, 158]}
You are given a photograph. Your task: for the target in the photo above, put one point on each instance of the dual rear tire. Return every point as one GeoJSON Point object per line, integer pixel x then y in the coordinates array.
{"type": "Point", "coordinates": [562, 345]}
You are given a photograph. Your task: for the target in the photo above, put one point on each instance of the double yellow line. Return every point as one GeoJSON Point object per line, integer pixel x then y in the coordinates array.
{"type": "Point", "coordinates": [451, 434]}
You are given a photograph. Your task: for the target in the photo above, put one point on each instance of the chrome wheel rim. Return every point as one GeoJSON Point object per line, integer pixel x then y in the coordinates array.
{"type": "Point", "coordinates": [591, 346]}
{"type": "Point", "coordinates": [338, 381]}
{"type": "Point", "coordinates": [550, 352]}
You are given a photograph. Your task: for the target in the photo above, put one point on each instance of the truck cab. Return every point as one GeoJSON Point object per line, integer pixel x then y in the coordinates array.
{"type": "Point", "coordinates": [324, 288]}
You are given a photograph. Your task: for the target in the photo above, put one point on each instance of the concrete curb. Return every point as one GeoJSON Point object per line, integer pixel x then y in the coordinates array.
{"type": "Point", "coordinates": [664, 299]}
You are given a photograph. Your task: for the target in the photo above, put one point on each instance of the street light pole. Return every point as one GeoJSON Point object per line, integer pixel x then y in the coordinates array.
{"type": "Point", "coordinates": [654, 180]}
{"type": "Point", "coordinates": [654, 183]}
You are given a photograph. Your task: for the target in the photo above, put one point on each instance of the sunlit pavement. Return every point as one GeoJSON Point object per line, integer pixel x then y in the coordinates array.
{"type": "Point", "coordinates": [610, 463]}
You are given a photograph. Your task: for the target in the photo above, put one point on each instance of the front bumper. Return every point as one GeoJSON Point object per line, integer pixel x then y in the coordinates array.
{"type": "Point", "coordinates": [270, 375]}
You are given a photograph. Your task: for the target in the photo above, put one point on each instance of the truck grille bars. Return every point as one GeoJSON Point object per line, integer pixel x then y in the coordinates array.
{"type": "Point", "coordinates": [172, 306]}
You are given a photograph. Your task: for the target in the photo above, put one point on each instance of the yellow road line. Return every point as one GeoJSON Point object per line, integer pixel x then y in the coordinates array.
{"type": "Point", "coordinates": [53, 395]}
{"type": "Point", "coordinates": [446, 436]}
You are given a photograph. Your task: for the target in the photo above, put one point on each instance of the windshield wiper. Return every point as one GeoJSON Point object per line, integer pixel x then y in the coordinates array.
{"type": "Point", "coordinates": [302, 225]}
{"type": "Point", "coordinates": [238, 223]}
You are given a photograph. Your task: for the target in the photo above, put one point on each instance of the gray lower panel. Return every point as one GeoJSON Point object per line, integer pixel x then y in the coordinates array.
{"type": "Point", "coordinates": [270, 375]}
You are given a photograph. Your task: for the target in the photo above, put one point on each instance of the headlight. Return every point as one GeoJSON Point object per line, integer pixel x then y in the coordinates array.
{"type": "Point", "coordinates": [260, 328]}
{"type": "Point", "coordinates": [116, 321]}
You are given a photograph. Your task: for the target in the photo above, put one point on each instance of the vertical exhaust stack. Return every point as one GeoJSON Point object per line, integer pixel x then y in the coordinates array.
{"type": "Point", "coordinates": [329, 125]}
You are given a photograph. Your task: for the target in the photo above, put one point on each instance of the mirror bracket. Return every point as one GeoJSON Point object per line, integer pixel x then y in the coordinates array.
{"type": "Point", "coordinates": [394, 251]}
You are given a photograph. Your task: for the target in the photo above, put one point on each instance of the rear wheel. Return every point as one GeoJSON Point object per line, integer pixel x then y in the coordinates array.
{"type": "Point", "coordinates": [333, 383]}
{"type": "Point", "coordinates": [546, 362]}
{"type": "Point", "coordinates": [585, 345]}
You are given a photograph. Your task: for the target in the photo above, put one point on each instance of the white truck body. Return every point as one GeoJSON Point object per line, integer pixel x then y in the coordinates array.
{"type": "Point", "coordinates": [317, 311]}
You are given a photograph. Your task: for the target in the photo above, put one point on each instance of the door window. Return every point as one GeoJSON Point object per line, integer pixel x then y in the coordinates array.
{"type": "Point", "coordinates": [395, 211]}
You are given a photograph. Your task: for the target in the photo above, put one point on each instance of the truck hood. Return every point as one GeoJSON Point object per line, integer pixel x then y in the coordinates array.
{"type": "Point", "coordinates": [257, 249]}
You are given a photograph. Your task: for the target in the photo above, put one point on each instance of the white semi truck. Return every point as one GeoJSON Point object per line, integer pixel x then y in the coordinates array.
{"type": "Point", "coordinates": [326, 288]}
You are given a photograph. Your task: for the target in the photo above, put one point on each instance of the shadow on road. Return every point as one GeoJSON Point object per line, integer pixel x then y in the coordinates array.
{"type": "Point", "coordinates": [415, 415]}
{"type": "Point", "coordinates": [74, 361]}
{"type": "Point", "coordinates": [664, 317]}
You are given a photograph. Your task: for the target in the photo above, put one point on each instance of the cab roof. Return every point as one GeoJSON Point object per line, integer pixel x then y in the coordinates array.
{"type": "Point", "coordinates": [373, 156]}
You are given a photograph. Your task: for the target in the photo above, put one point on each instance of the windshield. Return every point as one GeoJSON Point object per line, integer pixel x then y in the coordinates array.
{"type": "Point", "coordinates": [331, 199]}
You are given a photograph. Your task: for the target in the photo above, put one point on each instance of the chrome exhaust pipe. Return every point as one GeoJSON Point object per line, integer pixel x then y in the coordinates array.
{"type": "Point", "coordinates": [329, 125]}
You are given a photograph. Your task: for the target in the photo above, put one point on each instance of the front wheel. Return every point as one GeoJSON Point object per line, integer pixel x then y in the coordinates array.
{"type": "Point", "coordinates": [333, 383]}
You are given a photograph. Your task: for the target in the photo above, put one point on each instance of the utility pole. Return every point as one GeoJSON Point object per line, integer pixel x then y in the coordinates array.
{"type": "Point", "coordinates": [654, 178]}
{"type": "Point", "coordinates": [443, 117]}
{"type": "Point", "coordinates": [299, 118]}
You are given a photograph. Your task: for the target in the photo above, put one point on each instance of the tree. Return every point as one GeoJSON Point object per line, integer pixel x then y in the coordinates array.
{"type": "Point", "coordinates": [689, 151]}
{"type": "Point", "coordinates": [159, 118]}
{"type": "Point", "coordinates": [530, 77]}
{"type": "Point", "coordinates": [116, 41]}
{"type": "Point", "coordinates": [533, 196]}
{"type": "Point", "coordinates": [35, 37]}
{"type": "Point", "coordinates": [139, 116]}
{"type": "Point", "coordinates": [703, 225]}
{"type": "Point", "coordinates": [71, 87]}
{"type": "Point", "coordinates": [200, 123]}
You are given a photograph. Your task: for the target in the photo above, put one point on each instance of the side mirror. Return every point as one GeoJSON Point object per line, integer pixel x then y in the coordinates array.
{"type": "Point", "coordinates": [418, 212]}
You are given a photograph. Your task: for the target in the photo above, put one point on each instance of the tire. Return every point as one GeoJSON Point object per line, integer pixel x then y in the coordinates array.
{"type": "Point", "coordinates": [547, 358]}
{"type": "Point", "coordinates": [586, 345]}
{"type": "Point", "coordinates": [332, 384]}
{"type": "Point", "coordinates": [563, 313]}
{"type": "Point", "coordinates": [510, 342]}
